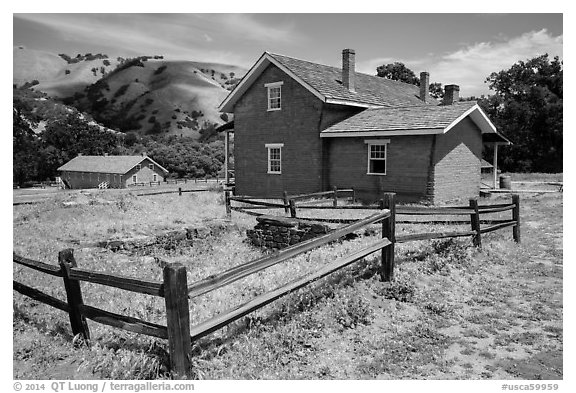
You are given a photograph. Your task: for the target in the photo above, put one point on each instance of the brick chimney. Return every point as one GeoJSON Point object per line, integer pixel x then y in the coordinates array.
{"type": "Point", "coordinates": [451, 94]}
{"type": "Point", "coordinates": [349, 69]}
{"type": "Point", "coordinates": [425, 86]}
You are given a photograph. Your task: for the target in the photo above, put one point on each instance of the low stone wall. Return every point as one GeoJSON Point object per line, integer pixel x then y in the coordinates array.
{"type": "Point", "coordinates": [281, 232]}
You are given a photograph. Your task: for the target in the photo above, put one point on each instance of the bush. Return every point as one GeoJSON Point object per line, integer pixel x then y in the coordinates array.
{"type": "Point", "coordinates": [402, 289]}
{"type": "Point", "coordinates": [351, 309]}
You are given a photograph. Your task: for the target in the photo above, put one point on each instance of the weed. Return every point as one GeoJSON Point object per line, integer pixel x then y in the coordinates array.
{"type": "Point", "coordinates": [350, 309]}
{"type": "Point", "coordinates": [402, 289]}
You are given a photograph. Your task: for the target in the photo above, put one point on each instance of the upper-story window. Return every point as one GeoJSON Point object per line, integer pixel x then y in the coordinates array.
{"type": "Point", "coordinates": [151, 166]}
{"type": "Point", "coordinates": [274, 95]}
{"type": "Point", "coordinates": [377, 156]}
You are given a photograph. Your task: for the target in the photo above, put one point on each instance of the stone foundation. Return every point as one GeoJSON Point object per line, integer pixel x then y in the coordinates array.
{"type": "Point", "coordinates": [276, 232]}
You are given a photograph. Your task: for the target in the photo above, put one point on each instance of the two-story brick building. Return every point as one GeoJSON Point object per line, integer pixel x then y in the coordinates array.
{"type": "Point", "coordinates": [303, 127]}
{"type": "Point", "coordinates": [110, 171]}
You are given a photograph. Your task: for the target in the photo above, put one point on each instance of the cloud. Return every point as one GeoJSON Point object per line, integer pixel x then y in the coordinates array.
{"type": "Point", "coordinates": [205, 37]}
{"type": "Point", "coordinates": [469, 67]}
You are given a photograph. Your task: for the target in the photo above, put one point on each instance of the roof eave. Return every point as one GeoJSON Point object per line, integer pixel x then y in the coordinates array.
{"type": "Point", "coordinates": [383, 133]}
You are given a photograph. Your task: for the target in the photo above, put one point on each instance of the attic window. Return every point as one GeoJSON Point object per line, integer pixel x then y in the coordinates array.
{"type": "Point", "coordinates": [274, 96]}
{"type": "Point", "coordinates": [151, 166]}
{"type": "Point", "coordinates": [377, 156]}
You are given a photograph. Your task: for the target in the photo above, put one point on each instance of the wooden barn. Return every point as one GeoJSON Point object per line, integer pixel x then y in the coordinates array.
{"type": "Point", "coordinates": [110, 171]}
{"type": "Point", "coordinates": [305, 127]}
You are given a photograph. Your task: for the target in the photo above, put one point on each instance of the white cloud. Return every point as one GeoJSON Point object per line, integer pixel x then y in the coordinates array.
{"type": "Point", "coordinates": [469, 67]}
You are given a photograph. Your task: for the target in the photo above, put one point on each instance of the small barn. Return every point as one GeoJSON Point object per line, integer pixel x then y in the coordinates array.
{"type": "Point", "coordinates": [111, 171]}
{"type": "Point", "coordinates": [304, 127]}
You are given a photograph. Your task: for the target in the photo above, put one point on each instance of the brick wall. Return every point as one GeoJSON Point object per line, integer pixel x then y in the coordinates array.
{"type": "Point", "coordinates": [295, 125]}
{"type": "Point", "coordinates": [457, 158]}
{"type": "Point", "coordinates": [407, 167]}
{"type": "Point", "coordinates": [275, 232]}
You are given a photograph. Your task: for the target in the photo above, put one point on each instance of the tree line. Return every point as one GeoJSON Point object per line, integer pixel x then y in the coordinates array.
{"type": "Point", "coordinates": [47, 134]}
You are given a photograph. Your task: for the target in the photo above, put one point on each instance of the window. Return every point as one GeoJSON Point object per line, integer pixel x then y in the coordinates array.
{"type": "Point", "coordinates": [134, 179]}
{"type": "Point", "coordinates": [138, 167]}
{"type": "Point", "coordinates": [274, 96]}
{"type": "Point", "coordinates": [274, 157]}
{"type": "Point", "coordinates": [154, 178]}
{"type": "Point", "coordinates": [377, 153]}
{"type": "Point", "coordinates": [151, 166]}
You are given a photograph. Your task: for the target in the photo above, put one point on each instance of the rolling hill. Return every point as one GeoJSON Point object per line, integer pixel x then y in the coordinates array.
{"type": "Point", "coordinates": [146, 95]}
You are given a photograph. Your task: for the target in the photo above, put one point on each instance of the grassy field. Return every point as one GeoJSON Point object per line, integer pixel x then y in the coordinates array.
{"type": "Point", "coordinates": [453, 312]}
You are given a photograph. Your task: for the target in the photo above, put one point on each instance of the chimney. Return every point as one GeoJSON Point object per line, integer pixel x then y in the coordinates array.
{"type": "Point", "coordinates": [105, 154]}
{"type": "Point", "coordinates": [349, 69]}
{"type": "Point", "coordinates": [144, 154]}
{"type": "Point", "coordinates": [424, 86]}
{"type": "Point", "coordinates": [79, 154]}
{"type": "Point", "coordinates": [451, 94]}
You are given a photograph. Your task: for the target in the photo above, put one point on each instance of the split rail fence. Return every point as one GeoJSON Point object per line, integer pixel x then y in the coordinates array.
{"type": "Point", "coordinates": [176, 291]}
{"type": "Point", "coordinates": [473, 211]}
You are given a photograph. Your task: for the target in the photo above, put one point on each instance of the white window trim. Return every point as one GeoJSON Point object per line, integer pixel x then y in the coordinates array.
{"type": "Point", "coordinates": [154, 177]}
{"type": "Point", "coordinates": [269, 86]}
{"type": "Point", "coordinates": [134, 178]}
{"type": "Point", "coordinates": [151, 167]}
{"type": "Point", "coordinates": [269, 147]}
{"type": "Point", "coordinates": [138, 167]}
{"type": "Point", "coordinates": [377, 142]}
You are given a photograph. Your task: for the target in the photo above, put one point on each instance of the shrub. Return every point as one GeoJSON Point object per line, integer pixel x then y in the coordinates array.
{"type": "Point", "coordinates": [160, 69]}
{"type": "Point", "coordinates": [402, 289]}
{"type": "Point", "coordinates": [351, 309]}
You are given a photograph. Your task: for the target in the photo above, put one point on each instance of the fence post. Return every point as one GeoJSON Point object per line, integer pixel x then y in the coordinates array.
{"type": "Point", "coordinates": [389, 231]}
{"type": "Point", "coordinates": [178, 319]}
{"type": "Point", "coordinates": [73, 294]}
{"type": "Point", "coordinates": [292, 208]}
{"type": "Point", "coordinates": [475, 223]}
{"type": "Point", "coordinates": [335, 200]}
{"type": "Point", "coordinates": [516, 217]}
{"type": "Point", "coordinates": [286, 202]}
{"type": "Point", "coordinates": [227, 201]}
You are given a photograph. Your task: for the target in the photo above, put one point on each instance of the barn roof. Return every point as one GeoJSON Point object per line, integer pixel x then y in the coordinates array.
{"type": "Point", "coordinates": [413, 120]}
{"type": "Point", "coordinates": [326, 83]}
{"type": "Point", "coordinates": [106, 164]}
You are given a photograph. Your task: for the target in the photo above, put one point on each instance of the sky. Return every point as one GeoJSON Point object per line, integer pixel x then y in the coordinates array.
{"type": "Point", "coordinates": [460, 49]}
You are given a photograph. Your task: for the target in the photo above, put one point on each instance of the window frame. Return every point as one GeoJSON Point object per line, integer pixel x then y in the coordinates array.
{"type": "Point", "coordinates": [134, 179]}
{"type": "Point", "coordinates": [154, 177]}
{"type": "Point", "coordinates": [377, 142]}
{"type": "Point", "coordinates": [269, 148]}
{"type": "Point", "coordinates": [270, 88]}
{"type": "Point", "coordinates": [151, 167]}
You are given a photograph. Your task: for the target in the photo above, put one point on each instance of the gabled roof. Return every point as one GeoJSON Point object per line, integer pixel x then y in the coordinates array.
{"type": "Point", "coordinates": [325, 82]}
{"type": "Point", "coordinates": [413, 120]}
{"type": "Point", "coordinates": [106, 164]}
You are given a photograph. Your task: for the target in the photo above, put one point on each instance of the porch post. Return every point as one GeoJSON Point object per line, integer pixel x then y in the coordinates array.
{"type": "Point", "coordinates": [495, 164]}
{"type": "Point", "coordinates": [226, 152]}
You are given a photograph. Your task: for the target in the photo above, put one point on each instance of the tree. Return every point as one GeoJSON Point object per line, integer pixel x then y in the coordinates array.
{"type": "Point", "coordinates": [399, 72]}
{"type": "Point", "coordinates": [527, 107]}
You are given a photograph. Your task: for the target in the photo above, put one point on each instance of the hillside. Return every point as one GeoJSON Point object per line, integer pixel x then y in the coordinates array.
{"type": "Point", "coordinates": [58, 77]}
{"type": "Point", "coordinates": [147, 95]}
{"type": "Point", "coordinates": [152, 96]}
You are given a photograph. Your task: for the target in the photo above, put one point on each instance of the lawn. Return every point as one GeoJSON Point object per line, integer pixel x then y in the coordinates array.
{"type": "Point", "coordinates": [453, 312]}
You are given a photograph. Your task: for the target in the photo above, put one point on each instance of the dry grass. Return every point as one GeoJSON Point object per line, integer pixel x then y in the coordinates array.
{"type": "Point", "coordinates": [452, 313]}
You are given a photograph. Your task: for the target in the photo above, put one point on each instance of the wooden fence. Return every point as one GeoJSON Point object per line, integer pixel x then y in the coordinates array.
{"type": "Point", "coordinates": [473, 211]}
{"type": "Point", "coordinates": [176, 291]}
